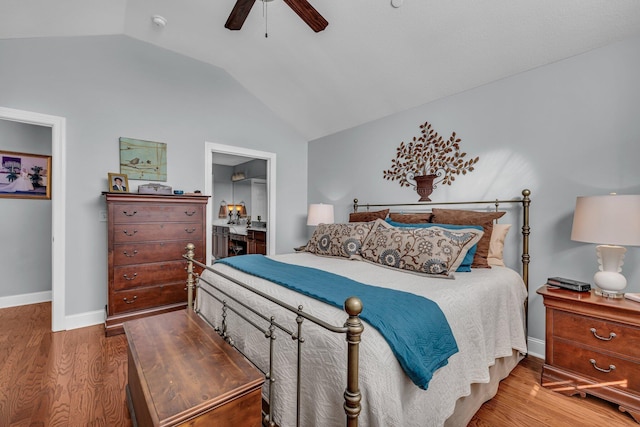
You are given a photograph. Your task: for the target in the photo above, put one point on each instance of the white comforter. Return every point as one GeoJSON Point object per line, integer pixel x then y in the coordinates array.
{"type": "Point", "coordinates": [484, 309]}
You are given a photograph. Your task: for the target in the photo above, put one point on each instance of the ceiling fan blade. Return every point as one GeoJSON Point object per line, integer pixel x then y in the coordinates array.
{"type": "Point", "coordinates": [239, 14]}
{"type": "Point", "coordinates": [308, 14]}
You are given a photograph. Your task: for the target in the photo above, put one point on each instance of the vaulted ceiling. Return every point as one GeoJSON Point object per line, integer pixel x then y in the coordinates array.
{"type": "Point", "coordinates": [372, 60]}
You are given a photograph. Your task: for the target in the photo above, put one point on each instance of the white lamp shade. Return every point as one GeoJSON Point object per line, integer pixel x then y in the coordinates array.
{"type": "Point", "coordinates": [611, 219]}
{"type": "Point", "coordinates": [320, 214]}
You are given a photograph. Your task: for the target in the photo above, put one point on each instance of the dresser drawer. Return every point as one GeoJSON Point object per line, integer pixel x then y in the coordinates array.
{"type": "Point", "coordinates": [593, 332]}
{"type": "Point", "coordinates": [128, 213]}
{"type": "Point", "coordinates": [626, 374]}
{"type": "Point", "coordinates": [139, 253]}
{"type": "Point", "coordinates": [133, 276]}
{"type": "Point", "coordinates": [142, 298]}
{"type": "Point", "coordinates": [127, 233]}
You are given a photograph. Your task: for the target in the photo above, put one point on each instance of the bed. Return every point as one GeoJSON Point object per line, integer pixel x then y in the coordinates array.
{"type": "Point", "coordinates": [323, 365]}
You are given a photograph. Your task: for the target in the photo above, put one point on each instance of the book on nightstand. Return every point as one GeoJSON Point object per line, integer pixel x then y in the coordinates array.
{"type": "Point", "coordinates": [632, 296]}
{"type": "Point", "coordinates": [574, 285]}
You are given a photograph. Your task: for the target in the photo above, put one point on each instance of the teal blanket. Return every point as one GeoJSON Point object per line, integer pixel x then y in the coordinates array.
{"type": "Point", "coordinates": [415, 327]}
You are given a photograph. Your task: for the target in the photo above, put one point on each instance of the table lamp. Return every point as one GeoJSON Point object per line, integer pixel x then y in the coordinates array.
{"type": "Point", "coordinates": [320, 214]}
{"type": "Point", "coordinates": [611, 221]}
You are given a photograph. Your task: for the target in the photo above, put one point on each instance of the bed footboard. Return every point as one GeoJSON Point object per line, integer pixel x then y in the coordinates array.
{"type": "Point", "coordinates": [352, 329]}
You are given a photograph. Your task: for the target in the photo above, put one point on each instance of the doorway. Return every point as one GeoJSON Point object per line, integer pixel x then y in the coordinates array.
{"type": "Point", "coordinates": [58, 197]}
{"type": "Point", "coordinates": [212, 149]}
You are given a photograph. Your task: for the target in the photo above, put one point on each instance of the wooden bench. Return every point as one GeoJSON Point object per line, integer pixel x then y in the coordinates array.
{"type": "Point", "coordinates": [181, 372]}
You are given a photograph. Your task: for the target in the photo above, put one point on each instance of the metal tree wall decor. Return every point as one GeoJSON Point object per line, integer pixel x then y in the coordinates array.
{"type": "Point", "coordinates": [427, 158]}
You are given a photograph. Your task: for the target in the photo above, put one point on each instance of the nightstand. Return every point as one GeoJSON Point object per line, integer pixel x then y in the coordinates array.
{"type": "Point", "coordinates": [592, 347]}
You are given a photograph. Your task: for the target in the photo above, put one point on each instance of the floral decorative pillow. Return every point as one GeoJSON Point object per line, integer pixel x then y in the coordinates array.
{"type": "Point", "coordinates": [433, 251]}
{"type": "Point", "coordinates": [339, 240]}
{"type": "Point", "coordinates": [465, 266]}
{"type": "Point", "coordinates": [463, 217]}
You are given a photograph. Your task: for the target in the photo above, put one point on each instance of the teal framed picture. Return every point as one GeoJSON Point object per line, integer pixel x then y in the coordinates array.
{"type": "Point", "coordinates": [141, 159]}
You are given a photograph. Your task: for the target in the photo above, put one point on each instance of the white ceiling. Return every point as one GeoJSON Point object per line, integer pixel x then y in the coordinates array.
{"type": "Point", "coordinates": [373, 60]}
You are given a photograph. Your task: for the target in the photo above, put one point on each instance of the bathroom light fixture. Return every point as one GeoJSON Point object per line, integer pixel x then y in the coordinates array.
{"type": "Point", "coordinates": [222, 213]}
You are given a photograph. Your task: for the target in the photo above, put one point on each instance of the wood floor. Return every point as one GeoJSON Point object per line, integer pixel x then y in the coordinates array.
{"type": "Point", "coordinates": [77, 378]}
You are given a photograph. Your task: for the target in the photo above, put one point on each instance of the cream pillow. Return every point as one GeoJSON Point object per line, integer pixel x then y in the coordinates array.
{"type": "Point", "coordinates": [496, 245]}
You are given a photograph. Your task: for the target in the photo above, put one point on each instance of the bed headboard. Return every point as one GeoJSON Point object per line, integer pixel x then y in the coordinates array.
{"type": "Point", "coordinates": [524, 201]}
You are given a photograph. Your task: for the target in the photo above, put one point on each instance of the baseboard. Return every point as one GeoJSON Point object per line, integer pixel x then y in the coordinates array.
{"type": "Point", "coordinates": [25, 299]}
{"type": "Point", "coordinates": [535, 347]}
{"type": "Point", "coordinates": [82, 320]}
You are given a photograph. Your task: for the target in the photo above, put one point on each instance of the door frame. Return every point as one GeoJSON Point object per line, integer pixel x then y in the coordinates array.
{"type": "Point", "coordinates": [213, 147]}
{"type": "Point", "coordinates": [58, 198]}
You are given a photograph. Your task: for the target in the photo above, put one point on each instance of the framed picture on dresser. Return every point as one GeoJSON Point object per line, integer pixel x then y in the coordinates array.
{"type": "Point", "coordinates": [118, 183]}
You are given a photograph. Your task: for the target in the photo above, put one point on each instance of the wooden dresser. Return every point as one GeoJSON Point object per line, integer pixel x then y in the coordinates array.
{"type": "Point", "coordinates": [147, 235]}
{"type": "Point", "coordinates": [592, 347]}
{"type": "Point", "coordinates": [182, 373]}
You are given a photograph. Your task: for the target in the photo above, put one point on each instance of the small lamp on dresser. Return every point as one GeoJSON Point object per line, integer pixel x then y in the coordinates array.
{"type": "Point", "coordinates": [611, 221]}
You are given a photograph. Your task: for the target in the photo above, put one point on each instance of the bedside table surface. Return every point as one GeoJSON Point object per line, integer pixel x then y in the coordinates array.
{"type": "Point", "coordinates": [619, 309]}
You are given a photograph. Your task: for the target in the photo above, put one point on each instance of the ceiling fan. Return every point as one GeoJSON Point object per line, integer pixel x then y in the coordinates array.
{"type": "Point", "coordinates": [301, 7]}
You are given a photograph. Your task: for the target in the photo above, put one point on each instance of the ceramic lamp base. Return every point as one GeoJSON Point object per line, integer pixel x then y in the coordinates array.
{"type": "Point", "coordinates": [609, 279]}
{"type": "Point", "coordinates": [609, 294]}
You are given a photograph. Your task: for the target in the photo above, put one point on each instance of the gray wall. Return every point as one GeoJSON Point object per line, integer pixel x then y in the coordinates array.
{"type": "Point", "coordinates": [26, 223]}
{"type": "Point", "coordinates": [564, 130]}
{"type": "Point", "coordinates": [112, 86]}
{"type": "Point", "coordinates": [222, 187]}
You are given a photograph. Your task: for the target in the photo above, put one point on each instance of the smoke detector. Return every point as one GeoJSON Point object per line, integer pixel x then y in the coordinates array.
{"type": "Point", "coordinates": [159, 21]}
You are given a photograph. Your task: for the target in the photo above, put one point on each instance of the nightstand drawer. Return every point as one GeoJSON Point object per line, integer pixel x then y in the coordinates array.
{"type": "Point", "coordinates": [129, 213]}
{"type": "Point", "coordinates": [626, 373]}
{"type": "Point", "coordinates": [126, 233]}
{"type": "Point", "coordinates": [613, 337]}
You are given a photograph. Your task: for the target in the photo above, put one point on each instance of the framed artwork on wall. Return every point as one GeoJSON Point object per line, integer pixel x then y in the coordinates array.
{"type": "Point", "coordinates": [118, 183]}
{"type": "Point", "coordinates": [25, 176]}
{"type": "Point", "coordinates": [141, 159]}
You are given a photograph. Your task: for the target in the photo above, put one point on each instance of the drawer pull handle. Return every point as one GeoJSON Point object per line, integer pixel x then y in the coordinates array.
{"type": "Point", "coordinates": [129, 214]}
{"type": "Point", "coordinates": [611, 367]}
{"type": "Point", "coordinates": [192, 213]}
{"type": "Point", "coordinates": [130, 278]}
{"type": "Point", "coordinates": [129, 234]}
{"type": "Point", "coordinates": [126, 301]}
{"type": "Point", "coordinates": [135, 252]}
{"type": "Point", "coordinates": [189, 230]}
{"type": "Point", "coordinates": [612, 335]}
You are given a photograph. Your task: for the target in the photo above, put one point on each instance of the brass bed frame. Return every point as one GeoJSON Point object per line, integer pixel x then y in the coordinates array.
{"type": "Point", "coordinates": [352, 328]}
